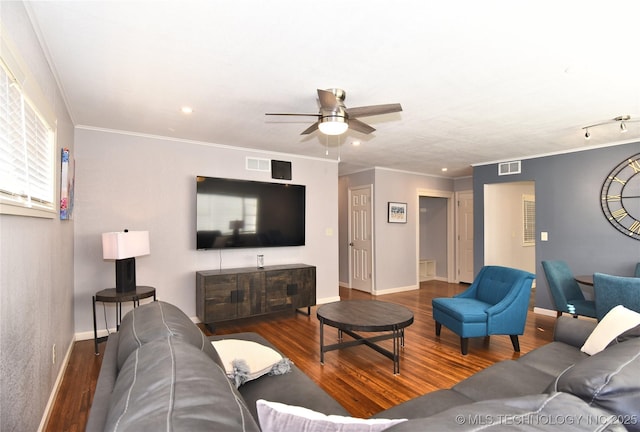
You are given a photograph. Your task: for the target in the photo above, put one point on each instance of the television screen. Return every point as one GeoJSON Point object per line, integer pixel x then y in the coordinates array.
{"type": "Point", "coordinates": [245, 214]}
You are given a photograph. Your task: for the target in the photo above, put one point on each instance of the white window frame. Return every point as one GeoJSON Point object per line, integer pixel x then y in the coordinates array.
{"type": "Point", "coordinates": [31, 142]}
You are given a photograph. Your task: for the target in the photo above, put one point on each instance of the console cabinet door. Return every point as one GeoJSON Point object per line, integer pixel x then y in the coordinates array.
{"type": "Point", "coordinates": [220, 297]}
{"type": "Point", "coordinates": [251, 294]}
{"type": "Point", "coordinates": [290, 289]}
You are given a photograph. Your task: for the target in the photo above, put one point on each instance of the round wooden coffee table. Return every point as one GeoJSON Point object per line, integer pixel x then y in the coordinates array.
{"type": "Point", "coordinates": [350, 316]}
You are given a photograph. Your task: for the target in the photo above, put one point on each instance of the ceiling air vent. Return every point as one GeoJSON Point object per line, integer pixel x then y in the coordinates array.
{"type": "Point", "coordinates": [508, 168]}
{"type": "Point", "coordinates": [258, 164]}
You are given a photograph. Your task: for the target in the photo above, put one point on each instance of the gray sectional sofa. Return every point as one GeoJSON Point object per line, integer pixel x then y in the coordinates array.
{"type": "Point", "coordinates": [160, 372]}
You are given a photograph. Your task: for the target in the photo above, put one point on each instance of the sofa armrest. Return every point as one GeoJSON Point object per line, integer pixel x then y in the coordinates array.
{"type": "Point", "coordinates": [573, 331]}
{"type": "Point", "coordinates": [104, 386]}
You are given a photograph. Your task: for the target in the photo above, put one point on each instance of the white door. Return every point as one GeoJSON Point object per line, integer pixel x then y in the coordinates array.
{"type": "Point", "coordinates": [360, 239]}
{"type": "Point", "coordinates": [465, 237]}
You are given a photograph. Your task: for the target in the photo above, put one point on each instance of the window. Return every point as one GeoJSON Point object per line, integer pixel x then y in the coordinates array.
{"type": "Point", "coordinates": [27, 178]}
{"type": "Point", "coordinates": [528, 220]}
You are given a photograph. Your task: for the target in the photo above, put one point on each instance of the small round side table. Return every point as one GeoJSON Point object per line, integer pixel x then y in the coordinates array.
{"type": "Point", "coordinates": [110, 295]}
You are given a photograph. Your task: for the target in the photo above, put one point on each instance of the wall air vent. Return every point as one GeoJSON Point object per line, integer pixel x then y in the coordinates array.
{"type": "Point", "coordinates": [258, 164]}
{"type": "Point", "coordinates": [508, 168]}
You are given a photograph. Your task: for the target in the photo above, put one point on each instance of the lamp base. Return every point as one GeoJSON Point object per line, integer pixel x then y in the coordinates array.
{"type": "Point", "coordinates": [126, 275]}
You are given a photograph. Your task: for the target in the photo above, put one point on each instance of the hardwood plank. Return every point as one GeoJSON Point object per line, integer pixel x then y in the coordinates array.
{"type": "Point", "coordinates": [357, 377]}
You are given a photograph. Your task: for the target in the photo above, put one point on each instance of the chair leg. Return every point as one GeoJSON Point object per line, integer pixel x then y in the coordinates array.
{"type": "Point", "coordinates": [464, 345]}
{"type": "Point", "coordinates": [515, 342]}
{"type": "Point", "coordinates": [558, 314]}
{"type": "Point", "coordinates": [438, 328]}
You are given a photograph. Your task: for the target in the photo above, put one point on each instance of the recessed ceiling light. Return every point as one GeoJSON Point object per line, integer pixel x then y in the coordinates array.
{"type": "Point", "coordinates": [355, 143]}
{"type": "Point", "coordinates": [186, 110]}
{"type": "Point", "coordinates": [444, 169]}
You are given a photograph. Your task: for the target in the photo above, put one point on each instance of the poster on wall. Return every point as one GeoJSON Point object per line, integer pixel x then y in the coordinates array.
{"type": "Point", "coordinates": [67, 183]}
{"type": "Point", "coordinates": [397, 212]}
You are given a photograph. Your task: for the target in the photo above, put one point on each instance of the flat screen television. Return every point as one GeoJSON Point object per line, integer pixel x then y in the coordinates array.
{"type": "Point", "coordinates": [248, 214]}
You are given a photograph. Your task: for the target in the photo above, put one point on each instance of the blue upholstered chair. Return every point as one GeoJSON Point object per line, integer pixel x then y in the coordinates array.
{"type": "Point", "coordinates": [611, 291]}
{"type": "Point", "coordinates": [565, 291]}
{"type": "Point", "coordinates": [495, 304]}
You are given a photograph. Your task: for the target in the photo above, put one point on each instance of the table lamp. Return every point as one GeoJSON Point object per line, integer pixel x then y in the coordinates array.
{"type": "Point", "coordinates": [123, 247]}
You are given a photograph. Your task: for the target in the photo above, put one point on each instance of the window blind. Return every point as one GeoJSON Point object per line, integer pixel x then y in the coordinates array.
{"type": "Point", "coordinates": [528, 220]}
{"type": "Point", "coordinates": [26, 149]}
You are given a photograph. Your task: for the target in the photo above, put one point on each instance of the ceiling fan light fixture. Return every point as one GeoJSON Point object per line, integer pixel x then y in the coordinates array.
{"type": "Point", "coordinates": [333, 125]}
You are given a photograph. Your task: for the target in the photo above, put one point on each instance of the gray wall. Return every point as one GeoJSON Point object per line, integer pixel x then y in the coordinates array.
{"type": "Point", "coordinates": [36, 269]}
{"type": "Point", "coordinates": [567, 189]}
{"type": "Point", "coordinates": [148, 183]}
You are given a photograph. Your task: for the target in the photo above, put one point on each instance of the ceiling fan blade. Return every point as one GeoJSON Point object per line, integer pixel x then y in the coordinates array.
{"type": "Point", "coordinates": [293, 114]}
{"type": "Point", "coordinates": [359, 126]}
{"type": "Point", "coordinates": [312, 128]}
{"type": "Point", "coordinates": [372, 110]}
{"type": "Point", "coordinates": [328, 101]}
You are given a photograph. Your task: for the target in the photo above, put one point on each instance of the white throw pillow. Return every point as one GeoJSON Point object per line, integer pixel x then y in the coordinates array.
{"type": "Point", "coordinates": [617, 321]}
{"type": "Point", "coordinates": [247, 360]}
{"type": "Point", "coordinates": [278, 417]}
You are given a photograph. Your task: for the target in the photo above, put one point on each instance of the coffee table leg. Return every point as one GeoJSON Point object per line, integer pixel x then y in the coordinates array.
{"type": "Point", "coordinates": [321, 341]}
{"type": "Point", "coordinates": [396, 351]}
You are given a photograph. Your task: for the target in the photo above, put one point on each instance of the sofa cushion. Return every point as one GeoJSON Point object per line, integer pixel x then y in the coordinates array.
{"type": "Point", "coordinates": [157, 320]}
{"type": "Point", "coordinates": [553, 358]}
{"type": "Point", "coordinates": [168, 384]}
{"type": "Point", "coordinates": [504, 379]}
{"type": "Point", "coordinates": [425, 405]}
{"type": "Point", "coordinates": [609, 379]}
{"type": "Point", "coordinates": [278, 417]}
{"type": "Point", "coordinates": [541, 412]}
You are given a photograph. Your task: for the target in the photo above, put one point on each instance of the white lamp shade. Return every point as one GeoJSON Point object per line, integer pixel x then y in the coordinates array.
{"type": "Point", "coordinates": [121, 245]}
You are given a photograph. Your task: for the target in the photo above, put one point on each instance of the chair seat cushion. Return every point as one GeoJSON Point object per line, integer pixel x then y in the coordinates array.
{"type": "Point", "coordinates": [465, 310]}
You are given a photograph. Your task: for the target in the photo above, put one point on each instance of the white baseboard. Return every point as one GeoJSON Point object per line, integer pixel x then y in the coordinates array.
{"type": "Point", "coordinates": [89, 334]}
{"type": "Point", "coordinates": [543, 311]}
{"type": "Point", "coordinates": [56, 387]}
{"type": "Point", "coordinates": [396, 290]}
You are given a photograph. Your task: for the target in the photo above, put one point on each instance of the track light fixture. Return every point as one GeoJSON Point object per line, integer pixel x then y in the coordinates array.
{"type": "Point", "coordinates": [622, 120]}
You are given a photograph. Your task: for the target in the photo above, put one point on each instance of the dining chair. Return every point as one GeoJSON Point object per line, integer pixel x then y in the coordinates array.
{"type": "Point", "coordinates": [611, 291]}
{"type": "Point", "coordinates": [565, 291]}
{"type": "Point", "coordinates": [496, 303]}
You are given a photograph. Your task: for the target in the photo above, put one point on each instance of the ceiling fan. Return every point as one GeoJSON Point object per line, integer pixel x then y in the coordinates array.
{"type": "Point", "coordinates": [334, 118]}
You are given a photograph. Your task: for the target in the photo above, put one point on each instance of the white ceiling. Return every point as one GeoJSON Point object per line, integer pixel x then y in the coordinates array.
{"type": "Point", "coordinates": [479, 81]}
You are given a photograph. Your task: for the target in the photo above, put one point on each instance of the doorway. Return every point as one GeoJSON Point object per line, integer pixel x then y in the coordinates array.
{"type": "Point", "coordinates": [445, 265]}
{"type": "Point", "coordinates": [506, 242]}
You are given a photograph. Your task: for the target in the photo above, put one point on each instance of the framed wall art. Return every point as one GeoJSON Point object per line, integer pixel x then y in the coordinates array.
{"type": "Point", "coordinates": [397, 212]}
{"type": "Point", "coordinates": [67, 184]}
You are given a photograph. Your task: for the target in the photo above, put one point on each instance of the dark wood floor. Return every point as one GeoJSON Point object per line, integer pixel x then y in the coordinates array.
{"type": "Point", "coordinates": [358, 377]}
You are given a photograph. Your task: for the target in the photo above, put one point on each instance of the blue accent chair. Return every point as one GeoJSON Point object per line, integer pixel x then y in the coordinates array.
{"type": "Point", "coordinates": [565, 291]}
{"type": "Point", "coordinates": [496, 303]}
{"type": "Point", "coordinates": [611, 291]}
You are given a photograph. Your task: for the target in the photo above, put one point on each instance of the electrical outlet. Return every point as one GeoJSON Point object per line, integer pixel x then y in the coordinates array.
{"type": "Point", "coordinates": [53, 354]}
